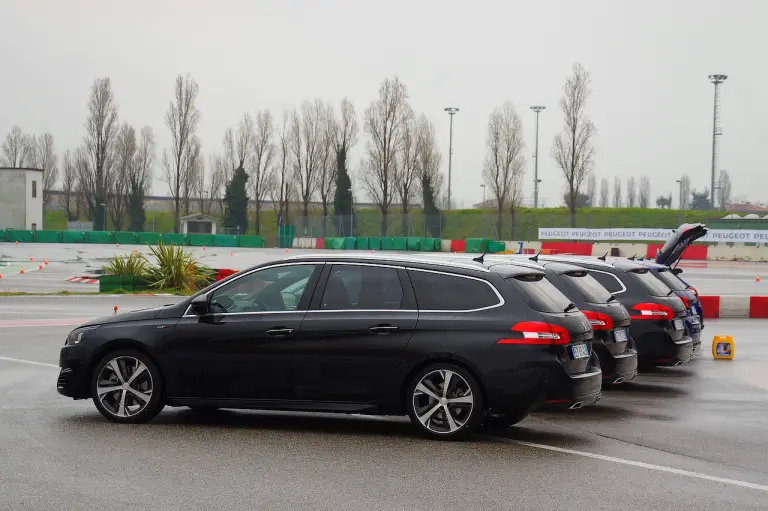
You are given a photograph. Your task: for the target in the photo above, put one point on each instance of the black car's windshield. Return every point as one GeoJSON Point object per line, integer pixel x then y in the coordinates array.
{"type": "Point", "coordinates": [589, 288]}
{"type": "Point", "coordinates": [540, 294]}
{"type": "Point", "coordinates": [671, 280]}
{"type": "Point", "coordinates": [651, 284]}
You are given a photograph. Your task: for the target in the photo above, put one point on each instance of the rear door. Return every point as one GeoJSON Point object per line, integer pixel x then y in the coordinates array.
{"type": "Point", "coordinates": [353, 337]}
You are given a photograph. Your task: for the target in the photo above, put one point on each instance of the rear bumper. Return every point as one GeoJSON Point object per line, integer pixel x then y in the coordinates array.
{"type": "Point", "coordinates": [616, 368]}
{"type": "Point", "coordinates": [693, 328]}
{"type": "Point", "coordinates": [572, 391]}
{"type": "Point", "coordinates": [658, 346]}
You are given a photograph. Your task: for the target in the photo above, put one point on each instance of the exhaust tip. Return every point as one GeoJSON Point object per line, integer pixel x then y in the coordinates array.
{"type": "Point", "coordinates": [678, 363]}
{"type": "Point", "coordinates": [576, 405]}
{"type": "Point", "coordinates": [618, 381]}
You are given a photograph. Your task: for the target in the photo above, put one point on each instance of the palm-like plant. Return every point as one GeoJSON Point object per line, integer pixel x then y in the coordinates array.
{"type": "Point", "coordinates": [177, 268]}
{"type": "Point", "coordinates": [132, 265]}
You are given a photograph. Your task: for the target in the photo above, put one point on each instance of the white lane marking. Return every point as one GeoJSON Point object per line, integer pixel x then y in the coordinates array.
{"type": "Point", "coordinates": [30, 362]}
{"type": "Point", "coordinates": [650, 466]}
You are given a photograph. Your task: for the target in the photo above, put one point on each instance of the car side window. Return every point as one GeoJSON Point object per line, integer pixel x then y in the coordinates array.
{"type": "Point", "coordinates": [608, 281]}
{"type": "Point", "coordinates": [274, 289]}
{"type": "Point", "coordinates": [351, 287]}
{"type": "Point", "coordinates": [438, 291]}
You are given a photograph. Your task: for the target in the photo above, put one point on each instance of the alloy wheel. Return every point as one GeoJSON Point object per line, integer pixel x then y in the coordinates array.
{"type": "Point", "coordinates": [443, 401]}
{"type": "Point", "coordinates": [124, 386]}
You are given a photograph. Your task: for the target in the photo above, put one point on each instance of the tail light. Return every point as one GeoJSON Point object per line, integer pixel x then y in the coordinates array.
{"type": "Point", "coordinates": [652, 311]}
{"type": "Point", "coordinates": [686, 302]}
{"type": "Point", "coordinates": [598, 320]}
{"type": "Point", "coordinates": [537, 332]}
{"type": "Point", "coordinates": [695, 291]}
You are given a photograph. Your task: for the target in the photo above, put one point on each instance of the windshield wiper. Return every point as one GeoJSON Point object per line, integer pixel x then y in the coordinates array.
{"type": "Point", "coordinates": [570, 307]}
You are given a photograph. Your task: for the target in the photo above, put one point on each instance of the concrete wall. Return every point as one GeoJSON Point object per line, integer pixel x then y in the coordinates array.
{"type": "Point", "coordinates": [13, 191]}
{"type": "Point", "coordinates": [34, 205]}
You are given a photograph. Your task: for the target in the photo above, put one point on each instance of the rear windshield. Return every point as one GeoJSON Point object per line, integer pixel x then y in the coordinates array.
{"type": "Point", "coordinates": [539, 293]}
{"type": "Point", "coordinates": [651, 284]}
{"type": "Point", "coordinates": [589, 288]}
{"type": "Point", "coordinates": [671, 280]}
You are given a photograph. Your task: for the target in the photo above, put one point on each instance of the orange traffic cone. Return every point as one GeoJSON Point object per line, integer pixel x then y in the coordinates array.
{"type": "Point", "coordinates": [757, 279]}
{"type": "Point", "coordinates": [21, 272]}
{"type": "Point", "coordinates": [46, 262]}
{"type": "Point", "coordinates": [40, 267]}
{"type": "Point", "coordinates": [115, 309]}
{"type": "Point", "coordinates": [30, 259]}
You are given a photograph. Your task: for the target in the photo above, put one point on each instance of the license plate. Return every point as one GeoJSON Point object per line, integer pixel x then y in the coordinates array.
{"type": "Point", "coordinates": [620, 335]}
{"type": "Point", "coordinates": [580, 351]}
{"type": "Point", "coordinates": [678, 324]}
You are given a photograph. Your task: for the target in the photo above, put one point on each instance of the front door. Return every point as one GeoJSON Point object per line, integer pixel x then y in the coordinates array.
{"type": "Point", "coordinates": [354, 335]}
{"type": "Point", "coordinates": [240, 348]}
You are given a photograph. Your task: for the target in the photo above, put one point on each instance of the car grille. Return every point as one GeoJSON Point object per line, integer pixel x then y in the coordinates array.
{"type": "Point", "coordinates": [64, 375]}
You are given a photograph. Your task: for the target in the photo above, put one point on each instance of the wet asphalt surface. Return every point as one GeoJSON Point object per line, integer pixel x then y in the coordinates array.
{"type": "Point", "coordinates": [691, 437]}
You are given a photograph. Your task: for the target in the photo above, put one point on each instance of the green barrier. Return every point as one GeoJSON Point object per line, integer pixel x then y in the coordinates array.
{"type": "Point", "coordinates": [73, 237]}
{"type": "Point", "coordinates": [399, 243]}
{"type": "Point", "coordinates": [374, 243]}
{"type": "Point", "coordinates": [496, 246]}
{"type": "Point", "coordinates": [477, 245]}
{"type": "Point", "coordinates": [47, 237]}
{"type": "Point", "coordinates": [387, 243]}
{"type": "Point", "coordinates": [149, 238]}
{"type": "Point", "coordinates": [429, 245]}
{"type": "Point", "coordinates": [362, 243]}
{"type": "Point", "coordinates": [100, 237]}
{"type": "Point", "coordinates": [225, 240]}
{"type": "Point", "coordinates": [20, 236]}
{"type": "Point", "coordinates": [252, 241]}
{"type": "Point", "coordinates": [328, 243]}
{"type": "Point", "coordinates": [338, 243]}
{"type": "Point", "coordinates": [348, 243]}
{"type": "Point", "coordinates": [412, 244]}
{"type": "Point", "coordinates": [126, 238]}
{"type": "Point", "coordinates": [200, 240]}
{"type": "Point", "coordinates": [110, 280]}
{"type": "Point", "coordinates": [176, 239]}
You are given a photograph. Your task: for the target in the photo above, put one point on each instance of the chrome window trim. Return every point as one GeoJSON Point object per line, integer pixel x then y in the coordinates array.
{"type": "Point", "coordinates": [395, 258]}
{"type": "Point", "coordinates": [493, 288]}
{"type": "Point", "coordinates": [623, 287]}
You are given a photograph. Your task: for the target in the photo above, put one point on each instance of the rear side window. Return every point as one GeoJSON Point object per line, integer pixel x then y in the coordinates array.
{"type": "Point", "coordinates": [352, 287]}
{"type": "Point", "coordinates": [651, 284]}
{"type": "Point", "coordinates": [539, 293]}
{"type": "Point", "coordinates": [589, 288]}
{"type": "Point", "coordinates": [608, 281]}
{"type": "Point", "coordinates": [441, 292]}
{"type": "Point", "coordinates": [671, 280]}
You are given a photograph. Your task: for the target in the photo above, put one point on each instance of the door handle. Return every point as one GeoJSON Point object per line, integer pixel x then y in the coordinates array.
{"type": "Point", "coordinates": [383, 329]}
{"type": "Point", "coordinates": [279, 332]}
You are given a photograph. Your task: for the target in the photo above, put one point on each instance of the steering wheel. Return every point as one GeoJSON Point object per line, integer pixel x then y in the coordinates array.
{"type": "Point", "coordinates": [258, 305]}
{"type": "Point", "coordinates": [224, 303]}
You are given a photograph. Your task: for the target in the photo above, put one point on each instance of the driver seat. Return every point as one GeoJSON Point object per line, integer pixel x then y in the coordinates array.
{"type": "Point", "coordinates": [336, 296]}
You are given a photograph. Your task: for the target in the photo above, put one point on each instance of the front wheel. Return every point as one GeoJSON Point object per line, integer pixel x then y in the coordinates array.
{"type": "Point", "coordinates": [127, 387]}
{"type": "Point", "coordinates": [445, 402]}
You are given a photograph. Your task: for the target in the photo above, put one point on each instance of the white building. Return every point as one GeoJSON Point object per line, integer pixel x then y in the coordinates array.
{"type": "Point", "coordinates": [198, 224]}
{"type": "Point", "coordinates": [21, 199]}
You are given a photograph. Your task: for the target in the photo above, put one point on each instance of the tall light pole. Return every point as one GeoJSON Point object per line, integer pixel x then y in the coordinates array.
{"type": "Point", "coordinates": [536, 179]}
{"type": "Point", "coordinates": [680, 184]}
{"type": "Point", "coordinates": [717, 130]}
{"type": "Point", "coordinates": [482, 208]}
{"type": "Point", "coordinates": [104, 207]}
{"type": "Point", "coordinates": [451, 111]}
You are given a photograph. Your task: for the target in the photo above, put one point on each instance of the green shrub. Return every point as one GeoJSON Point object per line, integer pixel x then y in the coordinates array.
{"type": "Point", "coordinates": [176, 268]}
{"type": "Point", "coordinates": [132, 265]}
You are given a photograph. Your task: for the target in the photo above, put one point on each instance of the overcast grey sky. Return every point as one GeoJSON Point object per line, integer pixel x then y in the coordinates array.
{"type": "Point", "coordinates": [651, 100]}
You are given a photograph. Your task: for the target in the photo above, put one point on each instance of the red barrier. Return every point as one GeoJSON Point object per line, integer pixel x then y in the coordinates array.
{"type": "Point", "coordinates": [224, 273]}
{"type": "Point", "coordinates": [693, 252]}
{"type": "Point", "coordinates": [758, 306]}
{"type": "Point", "coordinates": [711, 306]}
{"type": "Point", "coordinates": [568, 247]}
{"type": "Point", "coordinates": [319, 242]}
{"type": "Point", "coordinates": [458, 246]}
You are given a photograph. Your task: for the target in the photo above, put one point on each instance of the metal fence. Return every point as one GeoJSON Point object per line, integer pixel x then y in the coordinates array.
{"type": "Point", "coordinates": [471, 224]}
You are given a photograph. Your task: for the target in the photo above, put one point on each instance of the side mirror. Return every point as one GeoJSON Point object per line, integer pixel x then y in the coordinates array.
{"type": "Point", "coordinates": [199, 305]}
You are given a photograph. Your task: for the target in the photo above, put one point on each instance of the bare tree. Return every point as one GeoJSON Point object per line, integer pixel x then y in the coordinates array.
{"type": "Point", "coordinates": [182, 118]}
{"type": "Point", "coordinates": [604, 193]}
{"type": "Point", "coordinates": [217, 180]}
{"type": "Point", "coordinates": [573, 149]}
{"type": "Point", "coordinates": [238, 147]}
{"type": "Point", "coordinates": [724, 190]}
{"type": "Point", "coordinates": [685, 192]}
{"type": "Point", "coordinates": [283, 167]}
{"type": "Point", "coordinates": [384, 121]}
{"type": "Point", "coordinates": [592, 190]}
{"type": "Point", "coordinates": [17, 149]}
{"type": "Point", "coordinates": [68, 186]}
{"type": "Point", "coordinates": [631, 192]}
{"type": "Point", "coordinates": [194, 163]}
{"type": "Point", "coordinates": [617, 192]}
{"type": "Point", "coordinates": [504, 161]}
{"type": "Point", "coordinates": [407, 170]}
{"type": "Point", "coordinates": [346, 132]}
{"type": "Point", "coordinates": [101, 129]}
{"type": "Point", "coordinates": [262, 161]}
{"type": "Point", "coordinates": [43, 156]}
{"type": "Point", "coordinates": [119, 183]}
{"type": "Point", "coordinates": [327, 175]}
{"type": "Point", "coordinates": [86, 181]}
{"type": "Point", "coordinates": [140, 177]}
{"type": "Point", "coordinates": [644, 195]}
{"type": "Point", "coordinates": [306, 139]}
{"type": "Point", "coordinates": [428, 156]}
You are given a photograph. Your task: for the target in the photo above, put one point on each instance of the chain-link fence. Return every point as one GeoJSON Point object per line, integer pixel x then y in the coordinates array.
{"type": "Point", "coordinates": [522, 226]}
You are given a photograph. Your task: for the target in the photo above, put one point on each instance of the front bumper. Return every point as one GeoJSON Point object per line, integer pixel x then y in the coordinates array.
{"type": "Point", "coordinates": [72, 381]}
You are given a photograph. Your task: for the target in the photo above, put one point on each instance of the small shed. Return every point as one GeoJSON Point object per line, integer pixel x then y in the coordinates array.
{"type": "Point", "coordinates": [198, 223]}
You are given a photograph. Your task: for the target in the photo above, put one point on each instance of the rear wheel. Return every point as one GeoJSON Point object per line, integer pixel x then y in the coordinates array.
{"type": "Point", "coordinates": [126, 387]}
{"type": "Point", "coordinates": [445, 402]}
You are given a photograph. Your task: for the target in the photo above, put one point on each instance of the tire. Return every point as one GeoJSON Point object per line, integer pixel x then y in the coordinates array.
{"type": "Point", "coordinates": [433, 412]}
{"type": "Point", "coordinates": [127, 397]}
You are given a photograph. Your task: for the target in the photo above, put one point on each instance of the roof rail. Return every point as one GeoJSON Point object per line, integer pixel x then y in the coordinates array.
{"type": "Point", "coordinates": [395, 258]}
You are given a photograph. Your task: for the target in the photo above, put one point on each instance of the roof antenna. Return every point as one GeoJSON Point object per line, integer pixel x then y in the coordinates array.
{"type": "Point", "coordinates": [602, 258]}
{"type": "Point", "coordinates": [535, 258]}
{"type": "Point", "coordinates": [480, 259]}
{"type": "Point", "coordinates": [633, 257]}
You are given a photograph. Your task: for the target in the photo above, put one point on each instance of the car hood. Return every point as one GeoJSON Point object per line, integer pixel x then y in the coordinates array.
{"type": "Point", "coordinates": [137, 315]}
{"type": "Point", "coordinates": [678, 242]}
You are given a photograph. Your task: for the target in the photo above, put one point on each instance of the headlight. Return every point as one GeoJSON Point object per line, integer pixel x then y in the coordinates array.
{"type": "Point", "coordinates": [79, 334]}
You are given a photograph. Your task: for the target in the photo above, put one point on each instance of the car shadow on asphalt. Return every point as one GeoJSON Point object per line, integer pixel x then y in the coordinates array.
{"type": "Point", "coordinates": [645, 388]}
